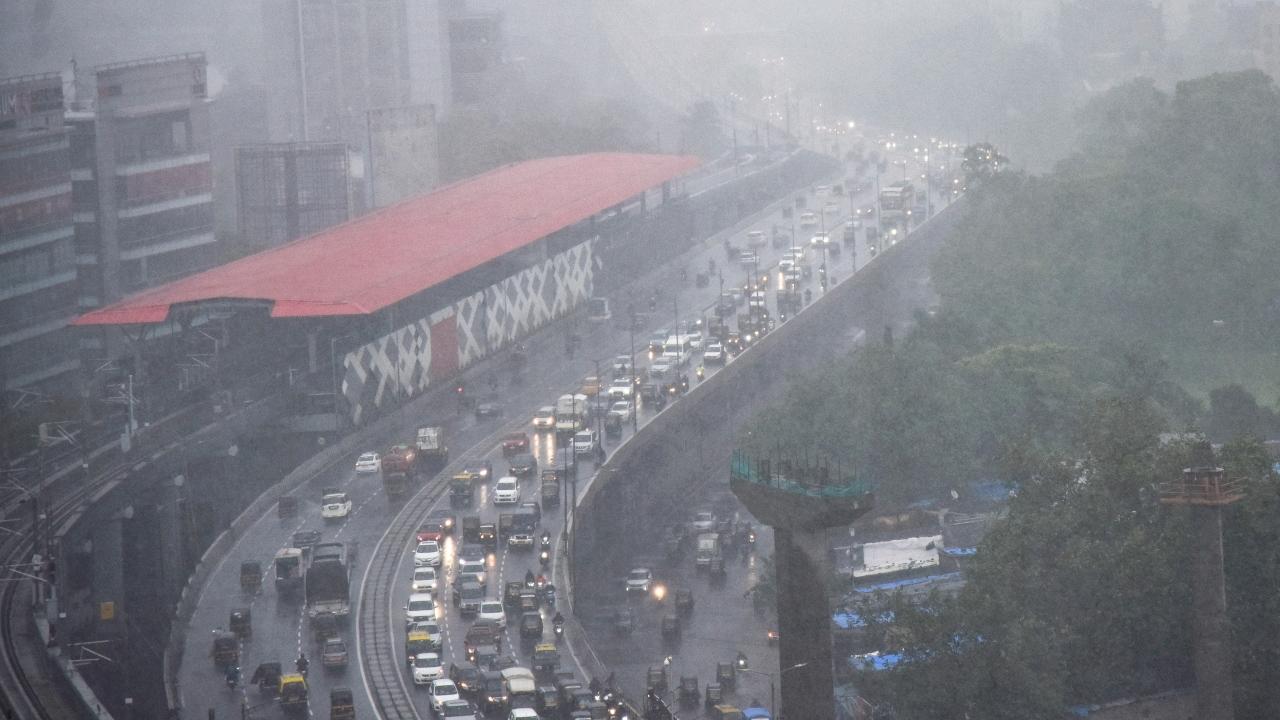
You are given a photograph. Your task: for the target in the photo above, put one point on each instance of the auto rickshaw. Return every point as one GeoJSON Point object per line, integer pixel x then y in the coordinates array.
{"type": "Point", "coordinates": [225, 651]}
{"type": "Point", "coordinates": [687, 693]}
{"type": "Point", "coordinates": [726, 675]}
{"type": "Point", "coordinates": [241, 623]}
{"type": "Point", "coordinates": [292, 692]}
{"type": "Point", "coordinates": [613, 426]}
{"type": "Point", "coordinates": [341, 704]}
{"type": "Point", "coordinates": [684, 601]}
{"type": "Point", "coordinates": [714, 694]}
{"type": "Point", "coordinates": [286, 507]}
{"type": "Point", "coordinates": [546, 659]}
{"type": "Point", "coordinates": [266, 677]}
{"type": "Point", "coordinates": [656, 679]}
{"type": "Point", "coordinates": [251, 577]}
{"type": "Point", "coordinates": [417, 641]}
{"type": "Point", "coordinates": [323, 627]}
{"type": "Point", "coordinates": [548, 701]}
{"type": "Point", "coordinates": [623, 621]}
{"type": "Point", "coordinates": [670, 626]}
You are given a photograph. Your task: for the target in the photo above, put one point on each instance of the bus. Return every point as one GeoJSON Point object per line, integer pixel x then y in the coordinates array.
{"type": "Point", "coordinates": [896, 201]}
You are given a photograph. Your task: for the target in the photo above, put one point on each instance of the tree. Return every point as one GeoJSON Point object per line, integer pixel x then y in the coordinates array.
{"type": "Point", "coordinates": [981, 163]}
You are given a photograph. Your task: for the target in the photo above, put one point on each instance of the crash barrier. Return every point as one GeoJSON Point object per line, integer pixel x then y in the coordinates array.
{"type": "Point", "coordinates": [641, 488]}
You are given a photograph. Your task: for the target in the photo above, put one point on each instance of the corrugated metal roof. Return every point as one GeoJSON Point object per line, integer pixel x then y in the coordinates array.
{"type": "Point", "coordinates": [382, 258]}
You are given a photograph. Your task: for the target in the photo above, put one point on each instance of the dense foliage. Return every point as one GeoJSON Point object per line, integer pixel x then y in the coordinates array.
{"type": "Point", "coordinates": [1071, 303]}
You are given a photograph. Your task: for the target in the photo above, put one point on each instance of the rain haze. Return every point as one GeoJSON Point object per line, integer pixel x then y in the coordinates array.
{"type": "Point", "coordinates": [639, 359]}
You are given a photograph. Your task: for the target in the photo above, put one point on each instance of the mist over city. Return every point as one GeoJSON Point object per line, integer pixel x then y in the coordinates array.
{"type": "Point", "coordinates": [639, 359]}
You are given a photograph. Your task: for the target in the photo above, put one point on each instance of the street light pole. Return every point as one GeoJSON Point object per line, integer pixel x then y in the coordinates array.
{"type": "Point", "coordinates": [633, 374]}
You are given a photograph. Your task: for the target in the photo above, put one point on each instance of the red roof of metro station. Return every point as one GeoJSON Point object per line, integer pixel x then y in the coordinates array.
{"type": "Point", "coordinates": [379, 259]}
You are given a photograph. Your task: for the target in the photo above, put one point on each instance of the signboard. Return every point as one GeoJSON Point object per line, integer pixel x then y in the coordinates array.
{"type": "Point", "coordinates": [107, 610]}
{"type": "Point", "coordinates": [31, 98]}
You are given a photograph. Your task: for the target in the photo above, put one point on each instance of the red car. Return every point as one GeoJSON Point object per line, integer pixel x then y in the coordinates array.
{"type": "Point", "coordinates": [431, 530]}
{"type": "Point", "coordinates": [515, 443]}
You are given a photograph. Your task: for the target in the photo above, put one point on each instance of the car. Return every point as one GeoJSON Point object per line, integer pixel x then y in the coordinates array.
{"type": "Point", "coordinates": [621, 388]}
{"type": "Point", "coordinates": [520, 541]}
{"type": "Point", "coordinates": [424, 579]}
{"type": "Point", "coordinates": [808, 220]}
{"type": "Point", "coordinates": [531, 625]}
{"type": "Point", "coordinates": [584, 442]}
{"type": "Point", "coordinates": [820, 240]}
{"type": "Point", "coordinates": [435, 636]}
{"type": "Point", "coordinates": [446, 518]}
{"type": "Point", "coordinates": [467, 597]}
{"type": "Point", "coordinates": [474, 567]}
{"type": "Point", "coordinates": [488, 411]}
{"type": "Point", "coordinates": [479, 578]}
{"type": "Point", "coordinates": [621, 410]}
{"type": "Point", "coordinates": [507, 491]}
{"type": "Point", "coordinates": [621, 365]}
{"type": "Point", "coordinates": [461, 709]}
{"type": "Point", "coordinates": [831, 207]}
{"type": "Point", "coordinates": [368, 463]}
{"type": "Point", "coordinates": [467, 677]}
{"type": "Point", "coordinates": [492, 611]}
{"type": "Point", "coordinates": [493, 695]}
{"type": "Point", "coordinates": [481, 471]}
{"type": "Point", "coordinates": [432, 530]}
{"type": "Point", "coordinates": [590, 386]}
{"type": "Point", "coordinates": [427, 553]}
{"type": "Point", "coordinates": [756, 239]}
{"type": "Point", "coordinates": [335, 506]}
{"type": "Point", "coordinates": [333, 654]}
{"type": "Point", "coordinates": [442, 690]}
{"type": "Point", "coordinates": [714, 354]}
{"type": "Point", "coordinates": [822, 190]}
{"type": "Point", "coordinates": [523, 713]}
{"type": "Point", "coordinates": [523, 465]}
{"type": "Point", "coordinates": [639, 580]}
{"type": "Point", "coordinates": [427, 668]}
{"type": "Point", "coordinates": [748, 259]}
{"type": "Point", "coordinates": [704, 521]}
{"type": "Point", "coordinates": [544, 420]}
{"type": "Point", "coordinates": [422, 606]}
{"type": "Point", "coordinates": [513, 443]}
{"type": "Point", "coordinates": [658, 341]}
{"type": "Point", "coordinates": [471, 552]}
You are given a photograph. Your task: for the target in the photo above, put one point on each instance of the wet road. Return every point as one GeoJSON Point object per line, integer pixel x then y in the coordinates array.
{"type": "Point", "coordinates": [280, 629]}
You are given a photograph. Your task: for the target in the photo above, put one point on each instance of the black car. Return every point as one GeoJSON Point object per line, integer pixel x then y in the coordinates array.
{"type": "Point", "coordinates": [493, 698]}
{"type": "Point", "coordinates": [487, 411]}
{"type": "Point", "coordinates": [447, 519]}
{"type": "Point", "coordinates": [523, 465]}
{"type": "Point", "coordinates": [304, 540]}
{"type": "Point", "coordinates": [467, 677]}
{"type": "Point", "coordinates": [531, 625]}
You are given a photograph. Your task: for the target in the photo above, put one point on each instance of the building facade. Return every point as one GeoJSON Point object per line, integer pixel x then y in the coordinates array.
{"type": "Point", "coordinates": [290, 190]}
{"type": "Point", "coordinates": [37, 255]}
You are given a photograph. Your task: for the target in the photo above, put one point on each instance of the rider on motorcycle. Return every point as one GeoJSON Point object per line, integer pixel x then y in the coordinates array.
{"type": "Point", "coordinates": [302, 664]}
{"type": "Point", "coordinates": [528, 578]}
{"type": "Point", "coordinates": [233, 676]}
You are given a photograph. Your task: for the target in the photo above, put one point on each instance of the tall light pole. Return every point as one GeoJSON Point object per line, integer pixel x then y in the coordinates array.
{"type": "Point", "coordinates": [773, 705]}
{"type": "Point", "coordinates": [631, 310]}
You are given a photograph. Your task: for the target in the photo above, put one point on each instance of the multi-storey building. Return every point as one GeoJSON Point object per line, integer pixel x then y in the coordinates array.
{"type": "Point", "coordinates": [142, 182]}
{"type": "Point", "coordinates": [37, 255]}
{"type": "Point", "coordinates": [289, 190]}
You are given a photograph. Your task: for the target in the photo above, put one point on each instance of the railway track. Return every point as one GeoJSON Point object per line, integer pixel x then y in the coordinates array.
{"type": "Point", "coordinates": [19, 693]}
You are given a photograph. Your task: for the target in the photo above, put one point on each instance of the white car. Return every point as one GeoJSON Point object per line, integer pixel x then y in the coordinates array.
{"type": "Point", "coordinates": [820, 240]}
{"type": "Point", "coordinates": [808, 220]}
{"type": "Point", "coordinates": [748, 259]}
{"type": "Point", "coordinates": [714, 353]}
{"type": "Point", "coordinates": [755, 239]}
{"type": "Point", "coordinates": [621, 410]}
{"type": "Point", "coordinates": [424, 580]}
{"type": "Point", "coordinates": [441, 692]}
{"type": "Point", "coordinates": [523, 713]}
{"type": "Point", "coordinates": [493, 611]}
{"type": "Point", "coordinates": [639, 580]}
{"type": "Point", "coordinates": [621, 364]}
{"type": "Point", "coordinates": [472, 567]}
{"type": "Point", "coordinates": [507, 491]}
{"type": "Point", "coordinates": [545, 418]}
{"type": "Point", "coordinates": [695, 339]}
{"type": "Point", "coordinates": [421, 607]}
{"type": "Point", "coordinates": [704, 522]}
{"type": "Point", "coordinates": [368, 463]}
{"type": "Point", "coordinates": [427, 553]}
{"type": "Point", "coordinates": [335, 506]}
{"type": "Point", "coordinates": [427, 668]}
{"type": "Point", "coordinates": [584, 442]}
{"type": "Point", "coordinates": [621, 388]}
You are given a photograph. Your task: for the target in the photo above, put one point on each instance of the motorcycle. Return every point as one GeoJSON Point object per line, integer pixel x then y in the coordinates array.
{"type": "Point", "coordinates": [559, 631]}
{"type": "Point", "coordinates": [233, 677]}
{"type": "Point", "coordinates": [302, 665]}
{"type": "Point", "coordinates": [544, 558]}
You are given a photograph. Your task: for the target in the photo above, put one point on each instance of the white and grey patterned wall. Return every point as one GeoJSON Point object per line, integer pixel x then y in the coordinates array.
{"type": "Point", "coordinates": [406, 361]}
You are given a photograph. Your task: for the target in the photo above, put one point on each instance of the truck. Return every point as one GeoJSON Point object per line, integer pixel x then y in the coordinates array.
{"type": "Point", "coordinates": [708, 548]}
{"type": "Point", "coordinates": [327, 581]}
{"type": "Point", "coordinates": [288, 567]}
{"type": "Point", "coordinates": [462, 490]}
{"type": "Point", "coordinates": [572, 413]}
{"type": "Point", "coordinates": [399, 469]}
{"type": "Point", "coordinates": [432, 446]}
{"type": "Point", "coordinates": [550, 492]}
{"type": "Point", "coordinates": [471, 529]}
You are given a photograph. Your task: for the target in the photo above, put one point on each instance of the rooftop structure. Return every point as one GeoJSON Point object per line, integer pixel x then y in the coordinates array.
{"type": "Point", "coordinates": [380, 259]}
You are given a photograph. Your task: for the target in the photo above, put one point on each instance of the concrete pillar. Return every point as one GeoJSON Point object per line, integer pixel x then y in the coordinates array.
{"type": "Point", "coordinates": [804, 625]}
{"type": "Point", "coordinates": [1212, 633]}
{"type": "Point", "coordinates": [108, 576]}
{"type": "Point", "coordinates": [313, 365]}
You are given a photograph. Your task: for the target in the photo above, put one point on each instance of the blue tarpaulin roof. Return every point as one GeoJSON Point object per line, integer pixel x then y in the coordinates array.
{"type": "Point", "coordinates": [874, 661]}
{"type": "Point", "coordinates": [755, 713]}
{"type": "Point", "coordinates": [906, 582]}
{"type": "Point", "coordinates": [845, 620]}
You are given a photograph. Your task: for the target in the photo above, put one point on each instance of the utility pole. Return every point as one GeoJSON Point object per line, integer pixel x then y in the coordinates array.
{"type": "Point", "coordinates": [633, 375]}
